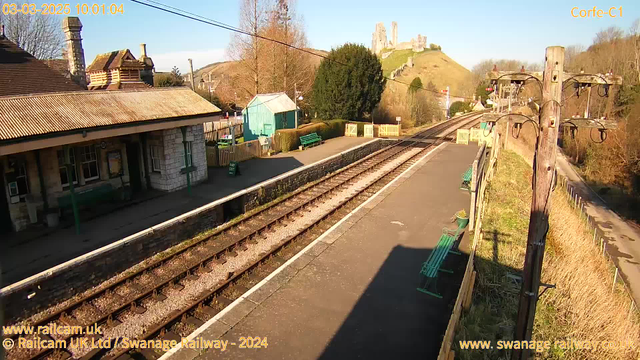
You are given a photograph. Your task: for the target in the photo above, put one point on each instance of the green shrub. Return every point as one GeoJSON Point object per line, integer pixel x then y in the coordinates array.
{"type": "Point", "coordinates": [459, 106]}
{"type": "Point", "coordinates": [289, 139]}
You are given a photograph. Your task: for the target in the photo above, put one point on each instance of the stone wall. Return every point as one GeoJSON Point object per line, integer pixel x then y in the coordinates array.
{"type": "Point", "coordinates": [397, 72]}
{"type": "Point", "coordinates": [171, 176]}
{"type": "Point", "coordinates": [77, 275]}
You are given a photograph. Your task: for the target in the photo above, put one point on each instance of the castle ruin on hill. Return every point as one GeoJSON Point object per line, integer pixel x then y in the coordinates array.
{"type": "Point", "coordinates": [379, 40]}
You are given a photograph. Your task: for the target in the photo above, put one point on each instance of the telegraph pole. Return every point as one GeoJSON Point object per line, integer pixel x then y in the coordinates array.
{"type": "Point", "coordinates": [193, 87]}
{"type": "Point", "coordinates": [543, 179]}
{"type": "Point", "coordinates": [295, 101]}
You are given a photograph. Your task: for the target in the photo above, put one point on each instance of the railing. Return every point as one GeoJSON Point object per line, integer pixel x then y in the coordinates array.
{"type": "Point", "coordinates": [483, 169]}
{"type": "Point", "coordinates": [598, 240]}
{"type": "Point", "coordinates": [388, 130]}
{"type": "Point", "coordinates": [241, 152]}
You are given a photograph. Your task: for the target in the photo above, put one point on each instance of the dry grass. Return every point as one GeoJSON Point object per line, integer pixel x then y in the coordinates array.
{"type": "Point", "coordinates": [582, 307]}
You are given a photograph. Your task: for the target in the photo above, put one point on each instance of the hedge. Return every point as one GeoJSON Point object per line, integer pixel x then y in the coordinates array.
{"type": "Point", "coordinates": [289, 139]}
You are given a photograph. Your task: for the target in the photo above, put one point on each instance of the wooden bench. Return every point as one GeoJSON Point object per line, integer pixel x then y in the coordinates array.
{"type": "Point", "coordinates": [84, 197]}
{"type": "Point", "coordinates": [466, 179]}
{"type": "Point", "coordinates": [310, 140]}
{"type": "Point", "coordinates": [432, 266]}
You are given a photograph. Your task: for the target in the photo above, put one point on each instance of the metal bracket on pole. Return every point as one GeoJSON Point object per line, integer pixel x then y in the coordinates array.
{"type": "Point", "coordinates": [546, 287]}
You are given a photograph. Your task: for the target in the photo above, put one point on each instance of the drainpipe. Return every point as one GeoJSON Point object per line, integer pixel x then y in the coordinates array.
{"type": "Point", "coordinates": [186, 168]}
{"type": "Point", "coordinates": [74, 203]}
{"type": "Point", "coordinates": [145, 162]}
{"type": "Point", "coordinates": [43, 187]}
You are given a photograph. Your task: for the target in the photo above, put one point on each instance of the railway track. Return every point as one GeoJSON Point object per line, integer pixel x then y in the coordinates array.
{"type": "Point", "coordinates": [171, 297]}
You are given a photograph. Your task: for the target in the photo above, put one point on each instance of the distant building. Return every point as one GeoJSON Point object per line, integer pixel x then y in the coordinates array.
{"type": "Point", "coordinates": [266, 113]}
{"type": "Point", "coordinates": [121, 70]}
{"type": "Point", "coordinates": [477, 106]}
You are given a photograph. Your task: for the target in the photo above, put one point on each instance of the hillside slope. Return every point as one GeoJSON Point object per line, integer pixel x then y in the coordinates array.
{"type": "Point", "coordinates": [224, 77]}
{"type": "Point", "coordinates": [431, 65]}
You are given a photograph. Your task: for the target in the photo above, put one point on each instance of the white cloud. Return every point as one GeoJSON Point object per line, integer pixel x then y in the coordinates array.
{"type": "Point", "coordinates": [165, 62]}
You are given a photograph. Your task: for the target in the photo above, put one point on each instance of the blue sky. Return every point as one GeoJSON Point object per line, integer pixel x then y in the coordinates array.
{"type": "Point", "coordinates": [468, 31]}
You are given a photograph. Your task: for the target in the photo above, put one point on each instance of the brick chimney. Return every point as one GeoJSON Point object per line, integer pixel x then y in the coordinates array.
{"type": "Point", "coordinates": [147, 73]}
{"type": "Point", "coordinates": [75, 54]}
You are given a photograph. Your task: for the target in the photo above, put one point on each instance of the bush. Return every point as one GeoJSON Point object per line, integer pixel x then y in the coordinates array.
{"type": "Point", "coordinates": [289, 139]}
{"type": "Point", "coordinates": [459, 106]}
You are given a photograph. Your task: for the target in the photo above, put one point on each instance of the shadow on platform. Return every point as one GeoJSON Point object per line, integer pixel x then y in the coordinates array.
{"type": "Point", "coordinates": [392, 319]}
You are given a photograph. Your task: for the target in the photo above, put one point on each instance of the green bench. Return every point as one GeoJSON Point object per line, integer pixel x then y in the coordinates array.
{"type": "Point", "coordinates": [310, 140]}
{"type": "Point", "coordinates": [466, 179]}
{"type": "Point", "coordinates": [90, 196]}
{"type": "Point", "coordinates": [432, 266]}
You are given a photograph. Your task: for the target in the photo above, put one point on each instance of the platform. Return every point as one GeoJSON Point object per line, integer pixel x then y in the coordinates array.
{"type": "Point", "coordinates": [352, 293]}
{"type": "Point", "coordinates": [27, 253]}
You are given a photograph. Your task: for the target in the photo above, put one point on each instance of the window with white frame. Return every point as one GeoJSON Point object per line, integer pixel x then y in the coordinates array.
{"type": "Point", "coordinates": [89, 162]}
{"type": "Point", "coordinates": [17, 182]}
{"type": "Point", "coordinates": [64, 174]}
{"type": "Point", "coordinates": [156, 156]}
{"type": "Point", "coordinates": [189, 157]}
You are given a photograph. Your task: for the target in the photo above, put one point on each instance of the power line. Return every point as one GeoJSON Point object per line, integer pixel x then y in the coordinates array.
{"type": "Point", "coordinates": [199, 18]}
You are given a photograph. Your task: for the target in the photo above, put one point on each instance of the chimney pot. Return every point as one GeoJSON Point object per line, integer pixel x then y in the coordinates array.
{"type": "Point", "coordinates": [143, 50]}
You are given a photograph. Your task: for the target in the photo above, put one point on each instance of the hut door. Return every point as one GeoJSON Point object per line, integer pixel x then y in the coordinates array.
{"type": "Point", "coordinates": [267, 130]}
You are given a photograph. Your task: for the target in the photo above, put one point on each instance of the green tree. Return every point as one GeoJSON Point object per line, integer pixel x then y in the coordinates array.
{"type": "Point", "coordinates": [174, 78]}
{"type": "Point", "coordinates": [416, 84]}
{"type": "Point", "coordinates": [349, 83]}
{"type": "Point", "coordinates": [481, 91]}
{"type": "Point", "coordinates": [459, 106]}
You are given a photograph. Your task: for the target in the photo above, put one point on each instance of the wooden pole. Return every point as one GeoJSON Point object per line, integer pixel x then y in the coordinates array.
{"type": "Point", "coordinates": [469, 296]}
{"type": "Point", "coordinates": [543, 172]}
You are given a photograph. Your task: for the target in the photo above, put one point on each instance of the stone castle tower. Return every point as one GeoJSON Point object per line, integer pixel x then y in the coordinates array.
{"type": "Point", "coordinates": [394, 35]}
{"type": "Point", "coordinates": [75, 54]}
{"type": "Point", "coordinates": [379, 40]}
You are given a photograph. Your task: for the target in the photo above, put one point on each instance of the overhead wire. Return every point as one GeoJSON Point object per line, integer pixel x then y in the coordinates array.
{"type": "Point", "coordinates": [199, 18]}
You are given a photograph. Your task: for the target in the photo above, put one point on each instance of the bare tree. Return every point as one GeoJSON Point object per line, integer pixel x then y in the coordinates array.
{"type": "Point", "coordinates": [634, 38]}
{"type": "Point", "coordinates": [271, 66]}
{"type": "Point", "coordinates": [609, 34]}
{"type": "Point", "coordinates": [245, 48]}
{"type": "Point", "coordinates": [40, 35]}
{"type": "Point", "coordinates": [289, 68]}
{"type": "Point", "coordinates": [570, 55]}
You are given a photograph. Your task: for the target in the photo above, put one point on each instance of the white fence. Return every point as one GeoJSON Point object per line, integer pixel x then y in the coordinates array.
{"type": "Point", "coordinates": [241, 152]}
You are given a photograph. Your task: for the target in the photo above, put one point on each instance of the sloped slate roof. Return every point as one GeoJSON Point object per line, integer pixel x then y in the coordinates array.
{"type": "Point", "coordinates": [21, 73]}
{"type": "Point", "coordinates": [114, 60]}
{"type": "Point", "coordinates": [24, 116]}
{"type": "Point", "coordinates": [276, 102]}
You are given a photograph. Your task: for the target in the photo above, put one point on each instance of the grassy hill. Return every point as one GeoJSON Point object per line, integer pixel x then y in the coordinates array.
{"type": "Point", "coordinates": [430, 65]}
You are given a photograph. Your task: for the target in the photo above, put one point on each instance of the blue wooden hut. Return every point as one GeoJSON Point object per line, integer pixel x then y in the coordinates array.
{"type": "Point", "coordinates": [266, 113]}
